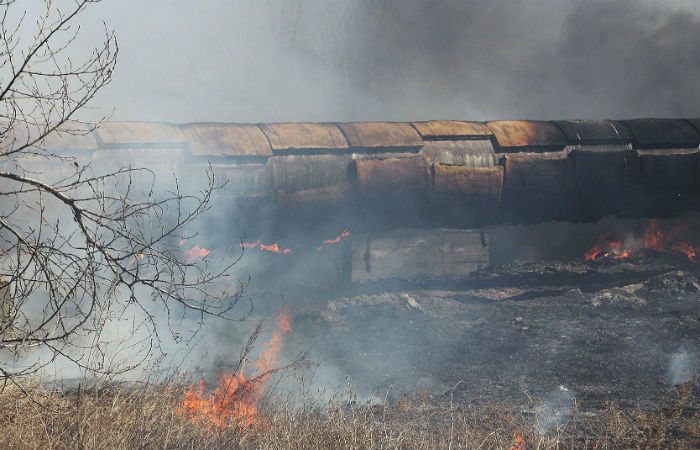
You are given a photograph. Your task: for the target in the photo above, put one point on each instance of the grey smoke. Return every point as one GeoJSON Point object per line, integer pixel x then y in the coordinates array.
{"type": "Point", "coordinates": [683, 364]}
{"type": "Point", "coordinates": [555, 409]}
{"type": "Point", "coordinates": [343, 60]}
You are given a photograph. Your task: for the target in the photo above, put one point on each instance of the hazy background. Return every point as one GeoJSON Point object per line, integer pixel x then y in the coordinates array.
{"type": "Point", "coordinates": [352, 60]}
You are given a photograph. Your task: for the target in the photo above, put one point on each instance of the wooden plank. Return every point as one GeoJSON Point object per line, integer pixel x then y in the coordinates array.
{"type": "Point", "coordinates": [418, 255]}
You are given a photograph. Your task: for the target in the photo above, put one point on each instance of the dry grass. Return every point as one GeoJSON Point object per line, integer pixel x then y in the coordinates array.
{"type": "Point", "coordinates": [148, 418]}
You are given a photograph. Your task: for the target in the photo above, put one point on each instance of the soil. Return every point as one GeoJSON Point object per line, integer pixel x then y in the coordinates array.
{"type": "Point", "coordinates": [607, 330]}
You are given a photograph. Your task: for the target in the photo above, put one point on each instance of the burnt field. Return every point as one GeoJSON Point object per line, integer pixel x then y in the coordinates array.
{"type": "Point", "coordinates": [601, 331]}
{"type": "Point", "coordinates": [580, 355]}
{"type": "Point", "coordinates": [545, 324]}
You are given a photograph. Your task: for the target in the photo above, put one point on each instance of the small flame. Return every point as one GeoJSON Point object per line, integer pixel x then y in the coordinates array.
{"type": "Point", "coordinates": [344, 234]}
{"type": "Point", "coordinates": [518, 442]}
{"type": "Point", "coordinates": [274, 248]}
{"type": "Point", "coordinates": [236, 397]}
{"type": "Point", "coordinates": [657, 237]}
{"type": "Point", "coordinates": [196, 253]}
{"type": "Point", "coordinates": [250, 244]}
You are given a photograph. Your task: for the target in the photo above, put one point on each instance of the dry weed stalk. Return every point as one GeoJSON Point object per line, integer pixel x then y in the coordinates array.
{"type": "Point", "coordinates": [122, 417]}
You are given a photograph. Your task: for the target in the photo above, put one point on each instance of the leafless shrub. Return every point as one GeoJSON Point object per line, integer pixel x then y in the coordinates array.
{"type": "Point", "coordinates": [81, 250]}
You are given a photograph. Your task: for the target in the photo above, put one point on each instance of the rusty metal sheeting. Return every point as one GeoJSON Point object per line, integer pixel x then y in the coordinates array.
{"type": "Point", "coordinates": [305, 137]}
{"type": "Point", "coordinates": [241, 178]}
{"type": "Point", "coordinates": [515, 135]}
{"type": "Point", "coordinates": [475, 153]}
{"type": "Point", "coordinates": [537, 187]}
{"type": "Point", "coordinates": [382, 135]}
{"type": "Point", "coordinates": [671, 181]}
{"type": "Point", "coordinates": [605, 179]}
{"type": "Point", "coordinates": [452, 129]}
{"type": "Point", "coordinates": [662, 133]}
{"type": "Point", "coordinates": [671, 170]}
{"type": "Point", "coordinates": [393, 175]}
{"type": "Point", "coordinates": [481, 184]}
{"type": "Point", "coordinates": [139, 134]}
{"type": "Point", "coordinates": [219, 139]}
{"type": "Point", "coordinates": [323, 197]}
{"type": "Point", "coordinates": [594, 132]}
{"type": "Point", "coordinates": [301, 172]}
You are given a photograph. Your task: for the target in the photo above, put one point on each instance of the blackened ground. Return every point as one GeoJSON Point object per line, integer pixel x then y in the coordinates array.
{"type": "Point", "coordinates": [611, 330]}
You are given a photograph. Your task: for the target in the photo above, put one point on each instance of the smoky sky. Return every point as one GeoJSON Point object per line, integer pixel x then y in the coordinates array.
{"type": "Point", "coordinates": [355, 60]}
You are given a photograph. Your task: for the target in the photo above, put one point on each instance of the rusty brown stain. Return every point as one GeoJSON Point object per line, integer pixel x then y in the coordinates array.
{"type": "Point", "coordinates": [452, 129]}
{"type": "Point", "coordinates": [381, 134]}
{"type": "Point", "coordinates": [524, 133]}
{"type": "Point", "coordinates": [376, 176]}
{"type": "Point", "coordinates": [484, 182]}
{"type": "Point", "coordinates": [309, 135]}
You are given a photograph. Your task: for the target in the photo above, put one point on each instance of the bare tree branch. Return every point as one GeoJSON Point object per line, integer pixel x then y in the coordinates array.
{"type": "Point", "coordinates": [78, 249]}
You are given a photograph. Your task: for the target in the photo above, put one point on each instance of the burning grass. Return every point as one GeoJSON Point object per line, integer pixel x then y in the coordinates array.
{"type": "Point", "coordinates": [148, 417]}
{"type": "Point", "coordinates": [660, 237]}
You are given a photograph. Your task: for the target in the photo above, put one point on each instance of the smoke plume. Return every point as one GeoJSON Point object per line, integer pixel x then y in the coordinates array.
{"type": "Point", "coordinates": [333, 60]}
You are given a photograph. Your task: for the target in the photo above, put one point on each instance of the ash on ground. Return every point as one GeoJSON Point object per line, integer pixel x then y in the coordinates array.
{"type": "Point", "coordinates": [624, 331]}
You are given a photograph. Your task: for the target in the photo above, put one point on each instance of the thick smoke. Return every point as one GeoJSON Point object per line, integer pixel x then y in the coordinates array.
{"type": "Point", "coordinates": [311, 60]}
{"type": "Point", "coordinates": [356, 60]}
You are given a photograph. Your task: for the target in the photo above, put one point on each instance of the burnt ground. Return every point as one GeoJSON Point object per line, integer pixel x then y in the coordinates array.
{"type": "Point", "coordinates": [623, 331]}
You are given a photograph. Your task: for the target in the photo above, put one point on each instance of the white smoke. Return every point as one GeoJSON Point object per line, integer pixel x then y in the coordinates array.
{"type": "Point", "coordinates": [555, 409]}
{"type": "Point", "coordinates": [682, 366]}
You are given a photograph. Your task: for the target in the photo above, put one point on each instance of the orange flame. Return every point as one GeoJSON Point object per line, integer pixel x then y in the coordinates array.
{"type": "Point", "coordinates": [196, 253]}
{"type": "Point", "coordinates": [518, 443]}
{"type": "Point", "coordinates": [274, 248]}
{"type": "Point", "coordinates": [657, 237]}
{"type": "Point", "coordinates": [344, 234]}
{"type": "Point", "coordinates": [236, 397]}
